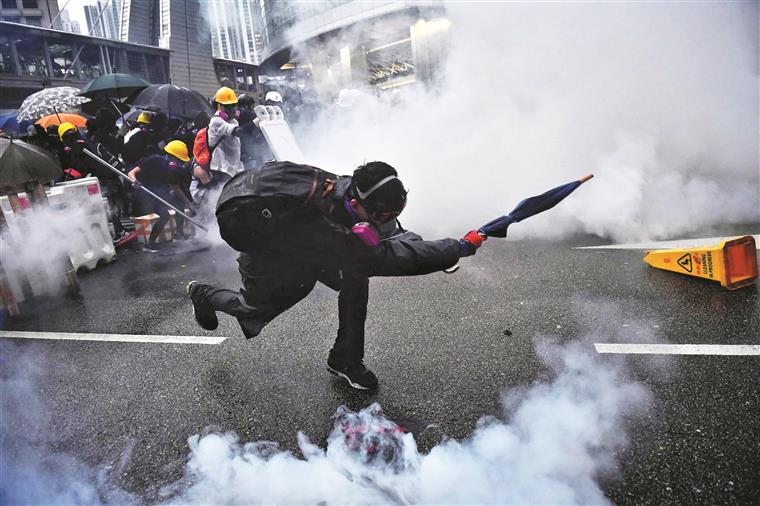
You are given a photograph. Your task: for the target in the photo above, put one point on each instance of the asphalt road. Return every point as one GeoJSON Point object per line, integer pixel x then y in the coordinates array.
{"type": "Point", "coordinates": [445, 348]}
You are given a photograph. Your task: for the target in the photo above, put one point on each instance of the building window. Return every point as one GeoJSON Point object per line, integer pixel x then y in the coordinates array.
{"type": "Point", "coordinates": [135, 64]}
{"type": "Point", "coordinates": [89, 62]}
{"type": "Point", "coordinates": [31, 56]}
{"type": "Point", "coordinates": [30, 4]}
{"type": "Point", "coordinates": [12, 19]}
{"type": "Point", "coordinates": [6, 58]}
{"type": "Point", "coordinates": [33, 20]}
{"type": "Point", "coordinates": [157, 73]}
{"type": "Point", "coordinates": [10, 4]}
{"type": "Point", "coordinates": [61, 57]}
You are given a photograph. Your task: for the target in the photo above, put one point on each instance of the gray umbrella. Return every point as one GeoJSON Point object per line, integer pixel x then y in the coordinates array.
{"type": "Point", "coordinates": [23, 163]}
{"type": "Point", "coordinates": [50, 101]}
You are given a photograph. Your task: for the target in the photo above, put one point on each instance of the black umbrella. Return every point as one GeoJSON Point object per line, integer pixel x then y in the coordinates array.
{"type": "Point", "coordinates": [172, 100]}
{"type": "Point", "coordinates": [529, 207]}
{"type": "Point", "coordinates": [23, 163]}
{"type": "Point", "coordinates": [113, 85]}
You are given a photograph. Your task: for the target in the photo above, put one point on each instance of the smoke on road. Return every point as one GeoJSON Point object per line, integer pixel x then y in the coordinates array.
{"type": "Point", "coordinates": [553, 444]}
{"type": "Point", "coordinates": [658, 100]}
{"type": "Point", "coordinates": [32, 471]}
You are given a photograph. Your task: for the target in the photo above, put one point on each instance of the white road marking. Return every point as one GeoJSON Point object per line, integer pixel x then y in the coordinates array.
{"type": "Point", "coordinates": [679, 349]}
{"type": "Point", "coordinates": [126, 338]}
{"type": "Point", "coordinates": [677, 244]}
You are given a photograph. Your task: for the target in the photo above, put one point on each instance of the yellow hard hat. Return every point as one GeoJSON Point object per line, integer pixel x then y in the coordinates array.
{"type": "Point", "coordinates": [144, 117]}
{"type": "Point", "coordinates": [226, 96]}
{"type": "Point", "coordinates": [178, 149]}
{"type": "Point", "coordinates": [63, 128]}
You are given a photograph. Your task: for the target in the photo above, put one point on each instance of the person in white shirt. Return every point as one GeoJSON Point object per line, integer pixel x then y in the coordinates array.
{"type": "Point", "coordinates": [222, 128]}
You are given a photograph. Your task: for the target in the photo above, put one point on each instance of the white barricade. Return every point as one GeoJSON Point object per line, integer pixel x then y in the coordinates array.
{"type": "Point", "coordinates": [277, 133]}
{"type": "Point", "coordinates": [88, 241]}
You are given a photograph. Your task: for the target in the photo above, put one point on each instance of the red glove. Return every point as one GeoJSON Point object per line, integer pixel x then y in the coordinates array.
{"type": "Point", "coordinates": [470, 243]}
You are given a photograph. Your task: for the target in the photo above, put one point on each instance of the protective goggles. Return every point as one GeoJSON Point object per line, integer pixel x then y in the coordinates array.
{"type": "Point", "coordinates": [377, 214]}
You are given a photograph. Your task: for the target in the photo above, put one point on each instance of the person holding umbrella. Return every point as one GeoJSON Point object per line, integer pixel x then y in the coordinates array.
{"type": "Point", "coordinates": [295, 225]}
{"type": "Point", "coordinates": [162, 175]}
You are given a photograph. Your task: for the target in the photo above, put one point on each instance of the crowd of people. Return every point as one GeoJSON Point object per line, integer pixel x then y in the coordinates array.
{"type": "Point", "coordinates": [293, 224]}
{"type": "Point", "coordinates": [183, 161]}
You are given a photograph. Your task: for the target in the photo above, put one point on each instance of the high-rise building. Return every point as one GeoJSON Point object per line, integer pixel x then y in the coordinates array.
{"type": "Point", "coordinates": [92, 17]}
{"type": "Point", "coordinates": [177, 25]}
{"type": "Point", "coordinates": [67, 25]}
{"type": "Point", "coordinates": [234, 29]}
{"type": "Point", "coordinates": [42, 13]}
{"type": "Point", "coordinates": [100, 20]}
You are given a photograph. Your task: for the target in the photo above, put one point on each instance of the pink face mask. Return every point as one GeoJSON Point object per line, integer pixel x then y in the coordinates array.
{"type": "Point", "coordinates": [366, 233]}
{"type": "Point", "coordinates": [225, 115]}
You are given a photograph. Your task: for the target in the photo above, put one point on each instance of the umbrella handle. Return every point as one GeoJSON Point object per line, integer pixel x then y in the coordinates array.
{"type": "Point", "coordinates": [585, 178]}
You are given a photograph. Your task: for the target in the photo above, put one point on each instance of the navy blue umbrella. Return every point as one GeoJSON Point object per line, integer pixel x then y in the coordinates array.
{"type": "Point", "coordinates": [529, 207]}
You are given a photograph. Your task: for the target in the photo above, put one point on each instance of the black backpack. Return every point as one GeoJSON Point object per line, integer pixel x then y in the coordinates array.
{"type": "Point", "coordinates": [253, 201]}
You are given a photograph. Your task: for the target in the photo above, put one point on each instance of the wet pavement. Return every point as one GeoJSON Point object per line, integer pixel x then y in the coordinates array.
{"type": "Point", "coordinates": [445, 348]}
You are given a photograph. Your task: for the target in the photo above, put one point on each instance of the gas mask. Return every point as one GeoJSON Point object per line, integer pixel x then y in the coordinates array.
{"type": "Point", "coordinates": [226, 113]}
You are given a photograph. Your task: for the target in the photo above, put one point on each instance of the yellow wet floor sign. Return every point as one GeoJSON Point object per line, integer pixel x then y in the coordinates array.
{"type": "Point", "coordinates": [733, 262]}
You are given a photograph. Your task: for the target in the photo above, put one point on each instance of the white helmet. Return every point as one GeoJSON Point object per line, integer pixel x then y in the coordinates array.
{"type": "Point", "coordinates": [273, 96]}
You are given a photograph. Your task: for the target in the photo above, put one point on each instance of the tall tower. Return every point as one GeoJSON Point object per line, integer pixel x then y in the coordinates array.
{"type": "Point", "coordinates": [233, 29]}
{"type": "Point", "coordinates": [177, 25]}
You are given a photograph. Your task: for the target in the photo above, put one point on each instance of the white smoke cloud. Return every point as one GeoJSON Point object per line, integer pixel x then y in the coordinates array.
{"type": "Point", "coordinates": [658, 100]}
{"type": "Point", "coordinates": [556, 440]}
{"type": "Point", "coordinates": [32, 471]}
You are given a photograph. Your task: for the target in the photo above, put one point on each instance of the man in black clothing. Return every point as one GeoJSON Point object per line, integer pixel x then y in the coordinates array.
{"type": "Point", "coordinates": [296, 225]}
{"type": "Point", "coordinates": [162, 174]}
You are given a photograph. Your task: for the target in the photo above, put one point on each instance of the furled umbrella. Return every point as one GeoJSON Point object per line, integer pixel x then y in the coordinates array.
{"type": "Point", "coordinates": [529, 207]}
{"type": "Point", "coordinates": [173, 100]}
{"type": "Point", "coordinates": [77, 120]}
{"type": "Point", "coordinates": [50, 101]}
{"type": "Point", "coordinates": [21, 163]}
{"type": "Point", "coordinates": [113, 86]}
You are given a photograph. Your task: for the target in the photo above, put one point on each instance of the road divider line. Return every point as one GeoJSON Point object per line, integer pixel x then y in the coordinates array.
{"type": "Point", "coordinates": [678, 349]}
{"type": "Point", "coordinates": [676, 244]}
{"type": "Point", "coordinates": [124, 338]}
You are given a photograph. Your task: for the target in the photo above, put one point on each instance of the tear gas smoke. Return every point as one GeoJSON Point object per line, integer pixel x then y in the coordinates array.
{"type": "Point", "coordinates": [658, 100]}
{"type": "Point", "coordinates": [39, 241]}
{"type": "Point", "coordinates": [31, 471]}
{"type": "Point", "coordinates": [557, 440]}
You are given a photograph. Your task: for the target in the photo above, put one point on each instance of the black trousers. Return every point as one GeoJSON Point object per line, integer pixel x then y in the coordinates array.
{"type": "Point", "coordinates": [147, 205]}
{"type": "Point", "coordinates": [286, 260]}
{"type": "Point", "coordinates": [265, 295]}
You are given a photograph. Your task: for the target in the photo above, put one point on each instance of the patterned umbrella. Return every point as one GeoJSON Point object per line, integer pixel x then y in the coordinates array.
{"type": "Point", "coordinates": [50, 101]}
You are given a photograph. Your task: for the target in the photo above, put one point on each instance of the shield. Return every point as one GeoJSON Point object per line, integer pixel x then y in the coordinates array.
{"type": "Point", "coordinates": [23, 163]}
{"type": "Point", "coordinates": [113, 86]}
{"type": "Point", "coordinates": [529, 207]}
{"type": "Point", "coordinates": [172, 100]}
{"type": "Point", "coordinates": [50, 101]}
